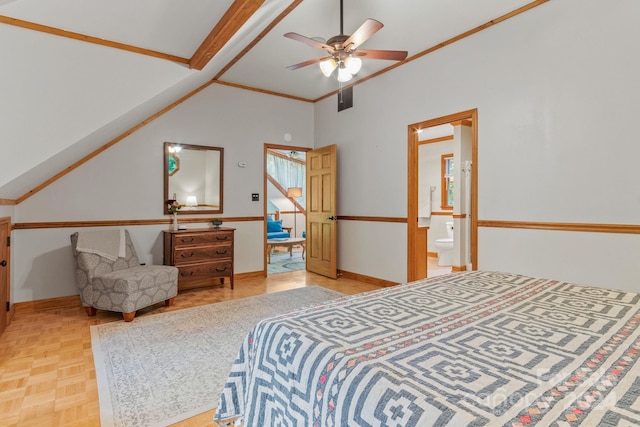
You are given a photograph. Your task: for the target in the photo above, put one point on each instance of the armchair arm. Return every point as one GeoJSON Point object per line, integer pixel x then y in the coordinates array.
{"type": "Point", "coordinates": [287, 229]}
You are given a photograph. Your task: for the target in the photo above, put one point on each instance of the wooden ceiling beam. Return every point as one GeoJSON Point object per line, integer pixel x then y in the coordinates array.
{"type": "Point", "coordinates": [235, 17]}
{"type": "Point", "coordinates": [260, 36]}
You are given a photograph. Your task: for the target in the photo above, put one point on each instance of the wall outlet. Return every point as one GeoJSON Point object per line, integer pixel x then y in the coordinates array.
{"type": "Point", "coordinates": [255, 197]}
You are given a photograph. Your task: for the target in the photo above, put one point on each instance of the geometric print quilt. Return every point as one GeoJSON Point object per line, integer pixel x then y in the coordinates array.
{"type": "Point", "coordinates": [469, 349]}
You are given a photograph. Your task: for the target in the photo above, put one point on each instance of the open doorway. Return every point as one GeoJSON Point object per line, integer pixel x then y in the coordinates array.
{"type": "Point", "coordinates": [285, 208]}
{"type": "Point", "coordinates": [442, 196]}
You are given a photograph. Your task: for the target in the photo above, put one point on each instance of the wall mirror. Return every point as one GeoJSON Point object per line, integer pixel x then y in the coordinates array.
{"type": "Point", "coordinates": [193, 177]}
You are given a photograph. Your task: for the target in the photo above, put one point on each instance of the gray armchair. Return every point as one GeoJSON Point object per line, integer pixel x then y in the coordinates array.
{"type": "Point", "coordinates": [122, 285]}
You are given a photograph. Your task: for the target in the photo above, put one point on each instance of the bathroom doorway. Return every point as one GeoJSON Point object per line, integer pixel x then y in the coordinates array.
{"type": "Point", "coordinates": [442, 195]}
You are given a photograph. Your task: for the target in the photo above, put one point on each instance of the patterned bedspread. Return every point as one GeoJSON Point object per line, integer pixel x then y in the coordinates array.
{"type": "Point", "coordinates": [469, 349]}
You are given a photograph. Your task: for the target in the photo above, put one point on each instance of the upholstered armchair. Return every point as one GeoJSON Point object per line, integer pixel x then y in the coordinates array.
{"type": "Point", "coordinates": [275, 230]}
{"type": "Point", "coordinates": [117, 281]}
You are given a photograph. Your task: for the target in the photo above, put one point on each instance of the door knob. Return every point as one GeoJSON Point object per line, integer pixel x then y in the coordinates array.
{"type": "Point", "coordinates": [333, 218]}
{"type": "Point", "coordinates": [3, 263]}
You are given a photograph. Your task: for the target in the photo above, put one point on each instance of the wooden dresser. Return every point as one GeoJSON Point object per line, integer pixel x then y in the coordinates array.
{"type": "Point", "coordinates": [204, 256]}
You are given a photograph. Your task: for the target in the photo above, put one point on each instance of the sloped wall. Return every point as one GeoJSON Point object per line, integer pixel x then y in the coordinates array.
{"type": "Point", "coordinates": [125, 183]}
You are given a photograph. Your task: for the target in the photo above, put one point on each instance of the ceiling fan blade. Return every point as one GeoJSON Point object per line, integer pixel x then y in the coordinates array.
{"type": "Point", "coordinates": [392, 55]}
{"type": "Point", "coordinates": [366, 30]}
{"type": "Point", "coordinates": [307, 40]}
{"type": "Point", "coordinates": [305, 63]}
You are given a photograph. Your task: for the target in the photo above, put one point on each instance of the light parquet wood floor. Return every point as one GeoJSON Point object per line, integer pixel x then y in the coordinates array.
{"type": "Point", "coordinates": [47, 374]}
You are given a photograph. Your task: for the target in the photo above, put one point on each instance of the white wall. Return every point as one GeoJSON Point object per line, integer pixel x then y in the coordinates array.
{"type": "Point", "coordinates": [125, 182]}
{"type": "Point", "coordinates": [554, 88]}
{"type": "Point", "coordinates": [7, 211]}
{"type": "Point", "coordinates": [78, 91]}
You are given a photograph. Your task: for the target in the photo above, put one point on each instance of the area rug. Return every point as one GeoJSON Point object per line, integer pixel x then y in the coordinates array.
{"type": "Point", "coordinates": [164, 368]}
{"type": "Point", "coordinates": [281, 262]}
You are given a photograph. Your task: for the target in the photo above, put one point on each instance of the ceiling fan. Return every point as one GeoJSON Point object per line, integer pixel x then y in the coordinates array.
{"type": "Point", "coordinates": [342, 50]}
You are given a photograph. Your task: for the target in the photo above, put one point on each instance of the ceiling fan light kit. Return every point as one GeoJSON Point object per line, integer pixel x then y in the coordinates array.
{"type": "Point", "coordinates": [347, 68]}
{"type": "Point", "coordinates": [353, 64]}
{"type": "Point", "coordinates": [327, 66]}
{"type": "Point", "coordinates": [342, 50]}
{"type": "Point", "coordinates": [343, 74]}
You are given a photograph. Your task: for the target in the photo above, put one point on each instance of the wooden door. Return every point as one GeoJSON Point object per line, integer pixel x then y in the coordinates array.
{"type": "Point", "coordinates": [5, 228]}
{"type": "Point", "coordinates": [321, 212]}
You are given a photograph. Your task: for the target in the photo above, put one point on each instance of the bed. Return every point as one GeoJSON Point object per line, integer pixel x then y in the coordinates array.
{"type": "Point", "coordinates": [467, 349]}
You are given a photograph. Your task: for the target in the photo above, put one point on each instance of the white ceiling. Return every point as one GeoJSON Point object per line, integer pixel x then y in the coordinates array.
{"type": "Point", "coordinates": [72, 88]}
{"type": "Point", "coordinates": [178, 28]}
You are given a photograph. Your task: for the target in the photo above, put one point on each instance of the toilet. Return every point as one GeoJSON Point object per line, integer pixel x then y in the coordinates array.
{"type": "Point", "coordinates": [445, 247]}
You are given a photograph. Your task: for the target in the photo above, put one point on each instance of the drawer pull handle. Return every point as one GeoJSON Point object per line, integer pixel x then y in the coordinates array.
{"type": "Point", "coordinates": [183, 255]}
{"type": "Point", "coordinates": [183, 240]}
{"type": "Point", "coordinates": [221, 237]}
{"type": "Point", "coordinates": [218, 270]}
{"type": "Point", "coordinates": [219, 252]}
{"type": "Point", "coordinates": [187, 274]}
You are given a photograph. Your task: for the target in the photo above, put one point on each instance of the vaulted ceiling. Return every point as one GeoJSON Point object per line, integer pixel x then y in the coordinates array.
{"type": "Point", "coordinates": [75, 74]}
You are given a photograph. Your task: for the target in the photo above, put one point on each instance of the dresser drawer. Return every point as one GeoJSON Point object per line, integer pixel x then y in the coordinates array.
{"type": "Point", "coordinates": [203, 271]}
{"type": "Point", "coordinates": [191, 254]}
{"type": "Point", "coordinates": [204, 257]}
{"type": "Point", "coordinates": [188, 239]}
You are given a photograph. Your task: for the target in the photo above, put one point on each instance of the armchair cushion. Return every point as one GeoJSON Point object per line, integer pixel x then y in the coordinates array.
{"type": "Point", "coordinates": [278, 235]}
{"type": "Point", "coordinates": [274, 226]}
{"type": "Point", "coordinates": [134, 288]}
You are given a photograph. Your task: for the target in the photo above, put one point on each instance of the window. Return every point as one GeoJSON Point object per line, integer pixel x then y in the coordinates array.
{"type": "Point", "coordinates": [446, 188]}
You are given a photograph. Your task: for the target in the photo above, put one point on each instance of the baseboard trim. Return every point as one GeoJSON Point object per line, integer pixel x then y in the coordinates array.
{"type": "Point", "coordinates": [458, 268]}
{"type": "Point", "coordinates": [250, 275]}
{"type": "Point", "coordinates": [74, 300]}
{"type": "Point", "coordinates": [19, 308]}
{"type": "Point", "coordinates": [47, 304]}
{"type": "Point", "coordinates": [11, 314]}
{"type": "Point", "coordinates": [366, 279]}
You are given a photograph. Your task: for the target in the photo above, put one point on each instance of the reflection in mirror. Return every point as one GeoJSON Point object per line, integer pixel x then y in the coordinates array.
{"type": "Point", "coordinates": [174, 161]}
{"type": "Point", "coordinates": [193, 177]}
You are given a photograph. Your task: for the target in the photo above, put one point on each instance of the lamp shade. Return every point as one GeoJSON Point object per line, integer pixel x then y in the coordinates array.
{"type": "Point", "coordinates": [294, 192]}
{"type": "Point", "coordinates": [191, 201]}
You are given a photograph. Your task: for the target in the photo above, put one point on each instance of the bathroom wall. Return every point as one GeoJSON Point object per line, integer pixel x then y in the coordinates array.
{"type": "Point", "coordinates": [462, 152]}
{"type": "Point", "coordinates": [429, 173]}
{"type": "Point", "coordinates": [429, 176]}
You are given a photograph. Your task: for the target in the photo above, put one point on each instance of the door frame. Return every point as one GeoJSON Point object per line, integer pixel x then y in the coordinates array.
{"type": "Point", "coordinates": [5, 254]}
{"type": "Point", "coordinates": [417, 237]}
{"type": "Point", "coordinates": [265, 183]}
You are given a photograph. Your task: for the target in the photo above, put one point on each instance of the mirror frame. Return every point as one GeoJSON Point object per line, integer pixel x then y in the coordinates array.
{"type": "Point", "coordinates": [166, 177]}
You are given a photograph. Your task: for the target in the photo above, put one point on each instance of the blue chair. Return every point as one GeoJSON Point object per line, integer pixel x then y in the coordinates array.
{"type": "Point", "coordinates": [275, 229]}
